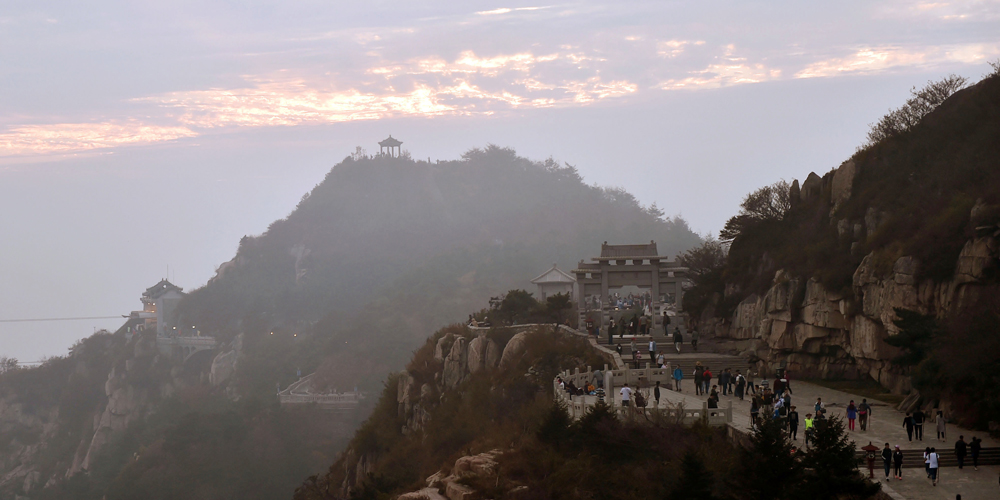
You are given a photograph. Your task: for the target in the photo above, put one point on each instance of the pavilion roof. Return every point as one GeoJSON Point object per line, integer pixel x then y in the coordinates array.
{"type": "Point", "coordinates": [629, 251]}
{"type": "Point", "coordinates": [556, 273]}
{"type": "Point", "coordinates": [390, 142]}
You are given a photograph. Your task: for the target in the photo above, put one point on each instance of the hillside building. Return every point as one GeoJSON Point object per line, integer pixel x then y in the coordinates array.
{"type": "Point", "coordinates": [554, 281]}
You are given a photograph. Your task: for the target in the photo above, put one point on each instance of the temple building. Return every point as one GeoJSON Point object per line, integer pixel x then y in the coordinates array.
{"type": "Point", "coordinates": [554, 281]}
{"type": "Point", "coordinates": [620, 266]}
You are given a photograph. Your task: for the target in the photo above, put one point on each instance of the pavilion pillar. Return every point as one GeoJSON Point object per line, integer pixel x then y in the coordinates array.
{"type": "Point", "coordinates": [605, 318]}
{"type": "Point", "coordinates": [656, 322]}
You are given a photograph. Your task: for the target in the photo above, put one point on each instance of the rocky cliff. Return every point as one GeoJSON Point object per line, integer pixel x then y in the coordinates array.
{"type": "Point", "coordinates": [911, 222]}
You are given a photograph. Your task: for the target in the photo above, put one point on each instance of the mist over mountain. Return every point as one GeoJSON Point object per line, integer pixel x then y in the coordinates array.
{"type": "Point", "coordinates": [381, 253]}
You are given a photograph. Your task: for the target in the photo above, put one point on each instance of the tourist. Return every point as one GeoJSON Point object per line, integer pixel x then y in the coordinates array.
{"type": "Point", "coordinates": [618, 347]}
{"type": "Point", "coordinates": [852, 414]}
{"type": "Point", "coordinates": [598, 378]}
{"type": "Point", "coordinates": [932, 465]}
{"type": "Point", "coordinates": [661, 360]}
{"type": "Point", "coordinates": [751, 387]}
{"type": "Point", "coordinates": [809, 427]}
{"type": "Point", "coordinates": [918, 424]}
{"type": "Point", "coordinates": [636, 355]}
{"type": "Point", "coordinates": [666, 324]}
{"type": "Point", "coordinates": [678, 340]}
{"type": "Point", "coordinates": [632, 346]}
{"type": "Point", "coordinates": [562, 385]}
{"type": "Point", "coordinates": [754, 412]}
{"type": "Point", "coordinates": [793, 422]}
{"type": "Point", "coordinates": [927, 464]}
{"type": "Point", "coordinates": [626, 393]}
{"type": "Point", "coordinates": [908, 423]}
{"type": "Point", "coordinates": [897, 463]}
{"type": "Point", "coordinates": [787, 398]}
{"type": "Point", "coordinates": [698, 378]}
{"type": "Point", "coordinates": [940, 425]}
{"type": "Point", "coordinates": [642, 325]}
{"type": "Point", "coordinates": [713, 398]}
{"type": "Point", "coordinates": [694, 340]}
{"type": "Point", "coordinates": [961, 449]}
{"type": "Point", "coordinates": [974, 448]}
{"type": "Point", "coordinates": [652, 350]}
{"type": "Point", "coordinates": [778, 386]}
{"type": "Point", "coordinates": [724, 379]}
{"type": "Point", "coordinates": [741, 385]}
{"type": "Point", "coordinates": [656, 394]}
{"type": "Point", "coordinates": [864, 410]}
{"type": "Point", "coordinates": [887, 460]}
{"type": "Point", "coordinates": [678, 376]}
{"type": "Point", "coordinates": [706, 379]}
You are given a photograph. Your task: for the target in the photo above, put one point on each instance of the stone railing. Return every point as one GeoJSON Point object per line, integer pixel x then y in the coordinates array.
{"type": "Point", "coordinates": [639, 379]}
{"type": "Point", "coordinates": [299, 393]}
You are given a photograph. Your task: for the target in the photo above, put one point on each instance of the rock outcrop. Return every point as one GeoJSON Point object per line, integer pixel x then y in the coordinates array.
{"type": "Point", "coordinates": [483, 465]}
{"type": "Point", "coordinates": [817, 332]}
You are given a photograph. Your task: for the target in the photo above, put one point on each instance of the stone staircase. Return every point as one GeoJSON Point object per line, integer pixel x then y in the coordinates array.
{"type": "Point", "coordinates": [914, 458]}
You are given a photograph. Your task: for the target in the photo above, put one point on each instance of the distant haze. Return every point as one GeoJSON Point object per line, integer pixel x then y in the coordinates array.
{"type": "Point", "coordinates": [137, 137]}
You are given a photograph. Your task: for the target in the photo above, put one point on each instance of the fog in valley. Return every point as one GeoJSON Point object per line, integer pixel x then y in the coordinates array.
{"type": "Point", "coordinates": [213, 274]}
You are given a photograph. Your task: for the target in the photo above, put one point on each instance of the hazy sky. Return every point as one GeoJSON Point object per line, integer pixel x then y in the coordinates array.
{"type": "Point", "coordinates": [137, 135]}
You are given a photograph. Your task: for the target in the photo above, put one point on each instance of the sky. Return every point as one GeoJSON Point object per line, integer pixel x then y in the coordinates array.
{"type": "Point", "coordinates": [140, 140]}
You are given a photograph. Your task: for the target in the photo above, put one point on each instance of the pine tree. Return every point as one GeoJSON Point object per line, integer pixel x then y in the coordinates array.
{"type": "Point", "coordinates": [695, 482]}
{"type": "Point", "coordinates": [834, 465]}
{"type": "Point", "coordinates": [768, 469]}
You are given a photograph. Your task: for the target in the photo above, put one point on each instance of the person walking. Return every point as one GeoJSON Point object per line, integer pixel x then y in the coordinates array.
{"type": "Point", "coordinates": [864, 410]}
{"type": "Point", "coordinates": [678, 340]}
{"type": "Point", "coordinates": [932, 465]}
{"type": "Point", "coordinates": [626, 393]}
{"type": "Point", "coordinates": [974, 448]}
{"type": "Point", "coordinates": [661, 361]}
{"type": "Point", "coordinates": [809, 428]}
{"type": "Point", "coordinates": [961, 449]}
{"type": "Point", "coordinates": [741, 385]}
{"type": "Point", "coordinates": [754, 412]}
{"type": "Point", "coordinates": [694, 339]}
{"type": "Point", "coordinates": [940, 426]}
{"type": "Point", "coordinates": [724, 378]}
{"type": "Point", "coordinates": [887, 460]}
{"type": "Point", "coordinates": [908, 423]}
{"type": "Point", "coordinates": [656, 393]}
{"type": "Point", "coordinates": [706, 380]}
{"type": "Point", "coordinates": [652, 350]}
{"type": "Point", "coordinates": [918, 424]}
{"type": "Point", "coordinates": [818, 407]}
{"type": "Point", "coordinates": [793, 423]}
{"type": "Point", "coordinates": [678, 376]}
{"type": "Point", "coordinates": [698, 370]}
{"type": "Point", "coordinates": [611, 332]}
{"type": "Point", "coordinates": [927, 465]}
{"type": "Point", "coordinates": [751, 388]}
{"type": "Point", "coordinates": [852, 414]}
{"type": "Point", "coordinates": [897, 463]}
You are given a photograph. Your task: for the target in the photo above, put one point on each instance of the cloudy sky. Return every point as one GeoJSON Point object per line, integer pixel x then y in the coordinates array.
{"type": "Point", "coordinates": [141, 140]}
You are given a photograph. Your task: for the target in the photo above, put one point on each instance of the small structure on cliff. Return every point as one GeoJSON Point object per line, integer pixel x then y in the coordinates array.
{"type": "Point", "coordinates": [629, 265]}
{"type": "Point", "coordinates": [302, 392]}
{"type": "Point", "coordinates": [387, 147]}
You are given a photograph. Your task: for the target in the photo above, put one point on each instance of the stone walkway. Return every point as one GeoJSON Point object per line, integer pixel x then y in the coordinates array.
{"type": "Point", "coordinates": [971, 484]}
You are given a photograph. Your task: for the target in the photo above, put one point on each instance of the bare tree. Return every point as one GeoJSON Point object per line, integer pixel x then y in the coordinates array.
{"type": "Point", "coordinates": [769, 203]}
{"type": "Point", "coordinates": [919, 105]}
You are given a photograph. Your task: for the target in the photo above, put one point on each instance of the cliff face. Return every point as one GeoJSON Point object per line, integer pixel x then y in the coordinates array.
{"type": "Point", "coordinates": [819, 333]}
{"type": "Point", "coordinates": [911, 222]}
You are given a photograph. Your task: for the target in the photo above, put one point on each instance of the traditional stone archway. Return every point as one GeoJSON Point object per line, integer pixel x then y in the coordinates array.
{"type": "Point", "coordinates": [629, 265]}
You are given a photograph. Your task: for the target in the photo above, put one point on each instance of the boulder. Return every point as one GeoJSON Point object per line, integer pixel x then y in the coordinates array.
{"type": "Point", "coordinates": [439, 348]}
{"type": "Point", "coordinates": [424, 494]}
{"type": "Point", "coordinates": [977, 257]}
{"type": "Point", "coordinates": [843, 182]}
{"type": "Point", "coordinates": [223, 367]}
{"type": "Point", "coordinates": [456, 491]}
{"type": "Point", "coordinates": [483, 354]}
{"type": "Point", "coordinates": [455, 364]}
{"type": "Point", "coordinates": [812, 187]}
{"type": "Point", "coordinates": [514, 350]}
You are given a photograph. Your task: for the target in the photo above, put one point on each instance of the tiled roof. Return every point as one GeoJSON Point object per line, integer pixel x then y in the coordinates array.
{"type": "Point", "coordinates": [628, 251]}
